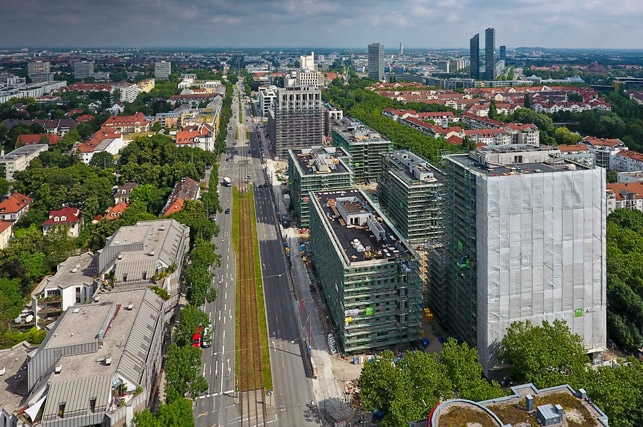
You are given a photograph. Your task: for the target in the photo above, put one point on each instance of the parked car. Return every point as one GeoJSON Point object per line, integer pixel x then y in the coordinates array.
{"type": "Point", "coordinates": [207, 337]}
{"type": "Point", "coordinates": [227, 210]}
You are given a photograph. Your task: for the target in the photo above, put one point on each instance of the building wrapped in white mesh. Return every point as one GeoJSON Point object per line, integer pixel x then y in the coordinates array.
{"type": "Point", "coordinates": [525, 240]}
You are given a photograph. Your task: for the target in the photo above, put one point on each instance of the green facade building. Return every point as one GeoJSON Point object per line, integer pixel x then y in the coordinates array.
{"type": "Point", "coordinates": [411, 192]}
{"type": "Point", "coordinates": [315, 169]}
{"type": "Point", "coordinates": [368, 273]}
{"type": "Point", "coordinates": [364, 146]}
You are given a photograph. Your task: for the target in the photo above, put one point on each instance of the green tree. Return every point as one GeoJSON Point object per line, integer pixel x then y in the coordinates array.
{"type": "Point", "coordinates": [612, 177]}
{"type": "Point", "coordinates": [182, 373]}
{"type": "Point", "coordinates": [493, 111]}
{"type": "Point", "coordinates": [177, 414]}
{"type": "Point", "coordinates": [191, 319]}
{"type": "Point", "coordinates": [544, 355]}
{"type": "Point", "coordinates": [565, 137]}
{"type": "Point", "coordinates": [102, 160]}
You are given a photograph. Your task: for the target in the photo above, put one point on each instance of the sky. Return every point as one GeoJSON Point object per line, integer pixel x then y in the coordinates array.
{"type": "Point", "coordinates": [319, 23]}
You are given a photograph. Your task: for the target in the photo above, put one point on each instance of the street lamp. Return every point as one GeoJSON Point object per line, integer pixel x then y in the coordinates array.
{"type": "Point", "coordinates": [270, 394]}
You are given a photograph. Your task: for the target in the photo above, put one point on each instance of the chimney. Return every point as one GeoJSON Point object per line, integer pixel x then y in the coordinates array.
{"type": "Point", "coordinates": [560, 412]}
{"type": "Point", "coordinates": [529, 402]}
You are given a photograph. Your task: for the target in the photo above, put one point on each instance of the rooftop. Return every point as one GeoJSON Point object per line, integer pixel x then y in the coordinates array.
{"type": "Point", "coordinates": [512, 159]}
{"type": "Point", "coordinates": [413, 170]}
{"type": "Point", "coordinates": [25, 150]}
{"type": "Point", "coordinates": [358, 228]}
{"type": "Point", "coordinates": [75, 270]}
{"type": "Point", "coordinates": [13, 376]}
{"type": "Point", "coordinates": [320, 160]}
{"type": "Point", "coordinates": [354, 131]}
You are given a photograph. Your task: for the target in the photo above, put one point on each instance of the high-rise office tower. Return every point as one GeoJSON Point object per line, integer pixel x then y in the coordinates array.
{"type": "Point", "coordinates": [524, 239]}
{"type": "Point", "coordinates": [296, 119]}
{"type": "Point", "coordinates": [84, 69]}
{"type": "Point", "coordinates": [489, 60]}
{"type": "Point", "coordinates": [162, 70]}
{"type": "Point", "coordinates": [503, 52]}
{"type": "Point", "coordinates": [401, 49]}
{"type": "Point", "coordinates": [474, 55]}
{"type": "Point", "coordinates": [376, 61]}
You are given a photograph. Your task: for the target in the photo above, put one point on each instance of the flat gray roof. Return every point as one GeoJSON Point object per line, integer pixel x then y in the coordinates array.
{"type": "Point", "coordinates": [25, 150]}
{"type": "Point", "coordinates": [555, 165]}
{"type": "Point", "coordinates": [75, 270]}
{"type": "Point", "coordinates": [403, 172]}
{"type": "Point", "coordinates": [13, 381]}
{"type": "Point", "coordinates": [356, 132]}
{"type": "Point", "coordinates": [390, 247]}
{"type": "Point", "coordinates": [306, 159]}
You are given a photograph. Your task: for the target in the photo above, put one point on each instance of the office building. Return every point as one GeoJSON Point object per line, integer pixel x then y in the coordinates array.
{"type": "Point", "coordinates": [315, 169]}
{"type": "Point", "coordinates": [364, 146]}
{"type": "Point", "coordinates": [489, 49]}
{"type": "Point", "coordinates": [162, 70]}
{"type": "Point", "coordinates": [367, 271]}
{"type": "Point", "coordinates": [503, 53]}
{"type": "Point", "coordinates": [40, 71]}
{"type": "Point", "coordinates": [411, 193]}
{"type": "Point", "coordinates": [474, 57]}
{"type": "Point", "coordinates": [84, 69]}
{"type": "Point", "coordinates": [524, 240]}
{"type": "Point", "coordinates": [401, 49]}
{"type": "Point", "coordinates": [296, 119]}
{"type": "Point", "coordinates": [19, 159]}
{"type": "Point", "coordinates": [307, 62]}
{"type": "Point", "coordinates": [376, 61]}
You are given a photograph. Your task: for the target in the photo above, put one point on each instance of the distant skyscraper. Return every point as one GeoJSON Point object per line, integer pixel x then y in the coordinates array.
{"type": "Point", "coordinates": [489, 60]}
{"type": "Point", "coordinates": [162, 70]}
{"type": "Point", "coordinates": [376, 61]}
{"type": "Point", "coordinates": [84, 69]}
{"type": "Point", "coordinates": [474, 55]}
{"type": "Point", "coordinates": [401, 49]}
{"type": "Point", "coordinates": [503, 52]}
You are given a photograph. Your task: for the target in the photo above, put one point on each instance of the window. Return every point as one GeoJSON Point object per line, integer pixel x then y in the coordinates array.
{"type": "Point", "coordinates": [61, 409]}
{"type": "Point", "coordinates": [92, 404]}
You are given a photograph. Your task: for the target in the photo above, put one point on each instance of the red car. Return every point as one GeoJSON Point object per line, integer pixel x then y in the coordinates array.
{"type": "Point", "coordinates": [197, 337]}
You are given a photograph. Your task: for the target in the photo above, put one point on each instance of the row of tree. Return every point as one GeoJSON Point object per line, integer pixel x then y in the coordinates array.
{"type": "Point", "coordinates": [547, 355]}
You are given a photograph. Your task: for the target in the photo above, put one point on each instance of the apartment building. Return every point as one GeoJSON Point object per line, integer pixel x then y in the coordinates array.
{"type": "Point", "coordinates": [604, 150]}
{"type": "Point", "coordinates": [627, 195]}
{"type": "Point", "coordinates": [83, 69]}
{"type": "Point", "coordinates": [364, 146]}
{"type": "Point", "coordinates": [315, 169]}
{"type": "Point", "coordinates": [126, 125]}
{"type": "Point", "coordinates": [19, 159]}
{"type": "Point", "coordinates": [267, 95]}
{"type": "Point", "coordinates": [524, 240]}
{"type": "Point", "coordinates": [627, 161]}
{"type": "Point", "coordinates": [162, 70]}
{"type": "Point", "coordinates": [411, 193]}
{"type": "Point", "coordinates": [14, 207]}
{"type": "Point", "coordinates": [367, 271]}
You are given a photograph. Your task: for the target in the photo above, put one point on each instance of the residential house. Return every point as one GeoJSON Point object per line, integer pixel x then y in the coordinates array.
{"type": "Point", "coordinates": [197, 136]}
{"type": "Point", "coordinates": [186, 189]}
{"type": "Point", "coordinates": [60, 127]}
{"type": "Point", "coordinates": [124, 192]}
{"type": "Point", "coordinates": [75, 281]}
{"type": "Point", "coordinates": [66, 218]}
{"type": "Point", "coordinates": [116, 211]}
{"type": "Point", "coordinates": [627, 195]}
{"type": "Point", "coordinates": [6, 230]}
{"type": "Point", "coordinates": [604, 150]}
{"type": "Point", "coordinates": [627, 161]}
{"type": "Point", "coordinates": [14, 207]}
{"type": "Point", "coordinates": [489, 136]}
{"type": "Point", "coordinates": [104, 140]}
{"type": "Point", "coordinates": [126, 125]}
{"type": "Point", "coordinates": [36, 138]}
{"type": "Point", "coordinates": [116, 109]}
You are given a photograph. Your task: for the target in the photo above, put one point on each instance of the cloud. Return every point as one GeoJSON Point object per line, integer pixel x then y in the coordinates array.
{"type": "Point", "coordinates": [319, 23]}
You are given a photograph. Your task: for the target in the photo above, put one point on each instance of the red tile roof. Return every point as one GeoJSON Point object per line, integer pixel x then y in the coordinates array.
{"type": "Point", "coordinates": [632, 187]}
{"type": "Point", "coordinates": [602, 142]}
{"type": "Point", "coordinates": [136, 119]}
{"type": "Point", "coordinates": [90, 145]}
{"type": "Point", "coordinates": [176, 206]}
{"type": "Point", "coordinates": [634, 155]}
{"type": "Point", "coordinates": [34, 138]}
{"type": "Point", "coordinates": [573, 148]}
{"type": "Point", "coordinates": [14, 203]}
{"type": "Point", "coordinates": [4, 225]}
{"type": "Point", "coordinates": [116, 211]}
{"type": "Point", "coordinates": [70, 215]}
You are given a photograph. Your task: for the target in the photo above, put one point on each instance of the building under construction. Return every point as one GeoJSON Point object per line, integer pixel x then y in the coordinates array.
{"type": "Point", "coordinates": [367, 271]}
{"type": "Point", "coordinates": [524, 240]}
{"type": "Point", "coordinates": [364, 146]}
{"type": "Point", "coordinates": [411, 193]}
{"type": "Point", "coordinates": [315, 169]}
{"type": "Point", "coordinates": [296, 119]}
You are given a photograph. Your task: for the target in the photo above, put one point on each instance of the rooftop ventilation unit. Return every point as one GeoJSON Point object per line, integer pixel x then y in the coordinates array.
{"type": "Point", "coordinates": [130, 306]}
{"type": "Point", "coordinates": [108, 360]}
{"type": "Point", "coordinates": [58, 369]}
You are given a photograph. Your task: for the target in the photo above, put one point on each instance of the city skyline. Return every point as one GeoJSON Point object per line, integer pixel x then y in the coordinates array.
{"type": "Point", "coordinates": [329, 23]}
